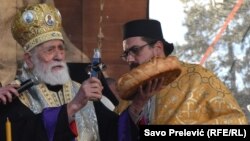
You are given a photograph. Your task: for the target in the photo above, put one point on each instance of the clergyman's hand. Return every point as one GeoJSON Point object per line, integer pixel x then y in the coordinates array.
{"type": "Point", "coordinates": [8, 92]}
{"type": "Point", "coordinates": [144, 94]}
{"type": "Point", "coordinates": [91, 89]}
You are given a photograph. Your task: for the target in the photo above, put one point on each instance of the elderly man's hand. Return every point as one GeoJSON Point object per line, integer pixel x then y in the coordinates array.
{"type": "Point", "coordinates": [91, 89]}
{"type": "Point", "coordinates": [8, 92]}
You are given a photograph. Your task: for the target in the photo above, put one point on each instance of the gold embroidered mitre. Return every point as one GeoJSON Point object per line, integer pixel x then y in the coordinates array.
{"type": "Point", "coordinates": [35, 24]}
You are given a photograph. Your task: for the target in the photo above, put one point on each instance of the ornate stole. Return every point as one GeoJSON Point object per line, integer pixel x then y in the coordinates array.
{"type": "Point", "coordinates": [39, 97]}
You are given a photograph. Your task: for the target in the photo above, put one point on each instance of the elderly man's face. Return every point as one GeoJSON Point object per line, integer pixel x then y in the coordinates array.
{"type": "Point", "coordinates": [49, 62]}
{"type": "Point", "coordinates": [50, 52]}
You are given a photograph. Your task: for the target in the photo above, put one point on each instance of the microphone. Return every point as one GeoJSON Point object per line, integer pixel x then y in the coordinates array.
{"type": "Point", "coordinates": [28, 84]}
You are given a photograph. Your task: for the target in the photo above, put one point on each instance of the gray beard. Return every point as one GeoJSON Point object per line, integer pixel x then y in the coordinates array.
{"type": "Point", "coordinates": [45, 74]}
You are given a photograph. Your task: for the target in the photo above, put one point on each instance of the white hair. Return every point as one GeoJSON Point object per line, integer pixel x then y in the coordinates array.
{"type": "Point", "coordinates": [44, 73]}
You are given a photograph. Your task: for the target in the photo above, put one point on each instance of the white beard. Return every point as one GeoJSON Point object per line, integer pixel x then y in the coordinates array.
{"type": "Point", "coordinates": [45, 74]}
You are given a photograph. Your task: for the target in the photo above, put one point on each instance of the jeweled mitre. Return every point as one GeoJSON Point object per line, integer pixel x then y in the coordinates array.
{"type": "Point", "coordinates": [35, 24]}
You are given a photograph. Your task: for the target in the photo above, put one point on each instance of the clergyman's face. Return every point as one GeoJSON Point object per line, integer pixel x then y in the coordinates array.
{"type": "Point", "coordinates": [49, 62]}
{"type": "Point", "coordinates": [138, 51]}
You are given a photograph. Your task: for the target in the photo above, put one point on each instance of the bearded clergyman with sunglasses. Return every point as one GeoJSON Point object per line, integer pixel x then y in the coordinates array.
{"type": "Point", "coordinates": [164, 90]}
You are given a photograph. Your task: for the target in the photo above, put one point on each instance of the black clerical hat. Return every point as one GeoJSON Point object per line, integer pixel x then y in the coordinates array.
{"type": "Point", "coordinates": [147, 28]}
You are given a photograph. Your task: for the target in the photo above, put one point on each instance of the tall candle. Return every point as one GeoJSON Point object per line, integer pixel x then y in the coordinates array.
{"type": "Point", "coordinates": [8, 130]}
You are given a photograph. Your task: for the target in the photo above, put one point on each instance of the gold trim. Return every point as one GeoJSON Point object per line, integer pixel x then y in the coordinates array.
{"type": "Point", "coordinates": [51, 98]}
{"type": "Point", "coordinates": [42, 38]}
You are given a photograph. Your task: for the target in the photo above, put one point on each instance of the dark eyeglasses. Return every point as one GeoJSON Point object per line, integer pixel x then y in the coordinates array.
{"type": "Point", "coordinates": [133, 51]}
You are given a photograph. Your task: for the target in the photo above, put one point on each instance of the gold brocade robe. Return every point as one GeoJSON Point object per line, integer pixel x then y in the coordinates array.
{"type": "Point", "coordinates": [197, 96]}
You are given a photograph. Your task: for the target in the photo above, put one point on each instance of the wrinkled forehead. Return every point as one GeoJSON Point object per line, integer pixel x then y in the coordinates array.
{"type": "Point", "coordinates": [49, 44]}
{"type": "Point", "coordinates": [129, 42]}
